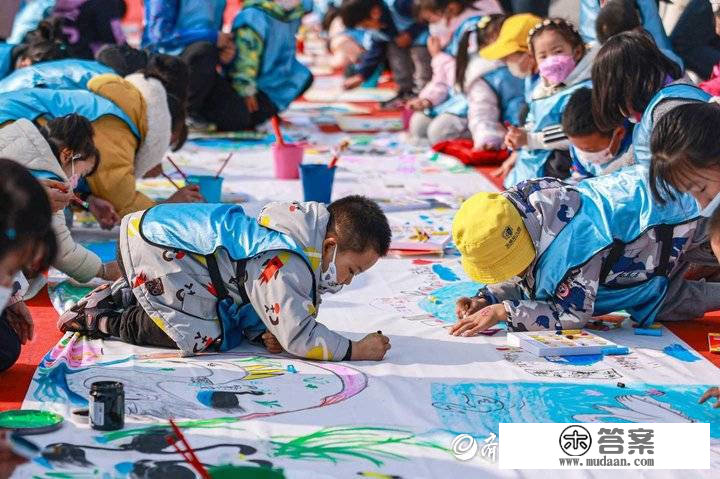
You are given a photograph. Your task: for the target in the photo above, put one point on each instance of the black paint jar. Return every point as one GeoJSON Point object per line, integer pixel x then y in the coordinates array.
{"type": "Point", "coordinates": [107, 405]}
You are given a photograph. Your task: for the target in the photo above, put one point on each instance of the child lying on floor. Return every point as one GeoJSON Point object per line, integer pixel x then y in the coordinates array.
{"type": "Point", "coordinates": [554, 255]}
{"type": "Point", "coordinates": [202, 276]}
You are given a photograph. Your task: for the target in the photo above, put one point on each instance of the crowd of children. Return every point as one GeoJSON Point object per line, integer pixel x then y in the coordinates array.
{"type": "Point", "coordinates": [613, 181]}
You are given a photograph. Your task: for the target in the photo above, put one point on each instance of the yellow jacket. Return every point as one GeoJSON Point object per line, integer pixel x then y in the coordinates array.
{"type": "Point", "coordinates": [115, 177]}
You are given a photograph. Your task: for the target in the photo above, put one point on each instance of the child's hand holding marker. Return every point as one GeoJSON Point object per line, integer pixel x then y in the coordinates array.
{"type": "Point", "coordinates": [370, 348]}
{"type": "Point", "coordinates": [515, 138]}
{"type": "Point", "coordinates": [480, 321]}
{"type": "Point", "coordinates": [60, 194]}
{"type": "Point", "coordinates": [468, 306]}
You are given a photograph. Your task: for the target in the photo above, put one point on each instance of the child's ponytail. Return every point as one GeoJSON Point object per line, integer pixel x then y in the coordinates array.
{"type": "Point", "coordinates": [485, 32]}
{"type": "Point", "coordinates": [463, 58]}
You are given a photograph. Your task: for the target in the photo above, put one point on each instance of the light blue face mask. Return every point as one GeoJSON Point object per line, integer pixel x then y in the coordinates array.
{"type": "Point", "coordinates": [708, 211]}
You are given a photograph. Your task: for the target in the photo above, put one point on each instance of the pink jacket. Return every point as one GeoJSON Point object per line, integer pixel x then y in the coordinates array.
{"type": "Point", "coordinates": [443, 65]}
{"type": "Point", "coordinates": [484, 120]}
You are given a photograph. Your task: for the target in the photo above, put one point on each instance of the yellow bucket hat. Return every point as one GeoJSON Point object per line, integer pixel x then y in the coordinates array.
{"type": "Point", "coordinates": [492, 239]}
{"type": "Point", "coordinates": [512, 37]}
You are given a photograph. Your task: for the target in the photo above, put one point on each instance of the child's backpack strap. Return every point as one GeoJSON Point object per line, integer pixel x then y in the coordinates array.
{"type": "Point", "coordinates": [229, 312]}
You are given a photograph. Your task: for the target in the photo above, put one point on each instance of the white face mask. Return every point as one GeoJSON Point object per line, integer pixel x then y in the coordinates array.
{"type": "Point", "coordinates": [328, 278]}
{"type": "Point", "coordinates": [595, 157]}
{"type": "Point", "coordinates": [708, 211]}
{"type": "Point", "coordinates": [5, 294]}
{"type": "Point", "coordinates": [74, 177]}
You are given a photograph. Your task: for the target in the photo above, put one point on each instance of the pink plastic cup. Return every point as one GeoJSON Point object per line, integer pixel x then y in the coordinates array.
{"type": "Point", "coordinates": [287, 159]}
{"type": "Point", "coordinates": [406, 114]}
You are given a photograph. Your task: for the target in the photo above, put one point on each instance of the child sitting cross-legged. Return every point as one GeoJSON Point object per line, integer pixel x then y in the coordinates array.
{"type": "Point", "coordinates": [203, 276]}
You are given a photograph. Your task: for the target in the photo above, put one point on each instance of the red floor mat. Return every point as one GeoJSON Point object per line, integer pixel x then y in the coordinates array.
{"type": "Point", "coordinates": [15, 381]}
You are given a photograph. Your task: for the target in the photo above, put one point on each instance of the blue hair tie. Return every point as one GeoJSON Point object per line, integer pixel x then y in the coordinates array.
{"type": "Point", "coordinates": [10, 233]}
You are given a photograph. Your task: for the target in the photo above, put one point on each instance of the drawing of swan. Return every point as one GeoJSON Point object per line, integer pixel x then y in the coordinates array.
{"type": "Point", "coordinates": [637, 408]}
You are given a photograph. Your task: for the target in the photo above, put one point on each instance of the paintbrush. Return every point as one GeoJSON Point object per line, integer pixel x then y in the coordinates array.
{"type": "Point", "coordinates": [188, 454]}
{"type": "Point", "coordinates": [275, 121]}
{"type": "Point", "coordinates": [342, 146]}
{"type": "Point", "coordinates": [170, 180]}
{"type": "Point", "coordinates": [83, 204]}
{"type": "Point", "coordinates": [182, 173]}
{"type": "Point", "coordinates": [217, 175]}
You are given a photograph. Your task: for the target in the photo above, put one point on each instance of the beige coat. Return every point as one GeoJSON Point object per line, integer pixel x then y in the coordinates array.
{"type": "Point", "coordinates": [21, 141]}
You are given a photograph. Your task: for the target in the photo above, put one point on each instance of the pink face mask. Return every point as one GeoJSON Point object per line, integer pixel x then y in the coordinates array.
{"type": "Point", "coordinates": [555, 69]}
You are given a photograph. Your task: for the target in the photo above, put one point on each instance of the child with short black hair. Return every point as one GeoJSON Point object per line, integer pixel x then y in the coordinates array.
{"type": "Point", "coordinates": [392, 33]}
{"type": "Point", "coordinates": [618, 16]}
{"type": "Point", "coordinates": [594, 152]}
{"type": "Point", "coordinates": [201, 277]}
{"type": "Point", "coordinates": [615, 17]}
{"type": "Point", "coordinates": [27, 242]}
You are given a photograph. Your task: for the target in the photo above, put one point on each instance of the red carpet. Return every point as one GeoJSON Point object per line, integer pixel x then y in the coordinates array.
{"type": "Point", "coordinates": [15, 381]}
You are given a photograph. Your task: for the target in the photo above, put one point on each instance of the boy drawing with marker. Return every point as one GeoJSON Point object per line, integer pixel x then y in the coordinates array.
{"type": "Point", "coordinates": [205, 277]}
{"type": "Point", "coordinates": [554, 255]}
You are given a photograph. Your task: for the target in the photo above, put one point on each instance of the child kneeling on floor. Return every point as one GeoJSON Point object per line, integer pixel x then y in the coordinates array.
{"type": "Point", "coordinates": [554, 255]}
{"type": "Point", "coordinates": [202, 276]}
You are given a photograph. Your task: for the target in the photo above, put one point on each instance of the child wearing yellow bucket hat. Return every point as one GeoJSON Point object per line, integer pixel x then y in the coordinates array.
{"type": "Point", "coordinates": [511, 45]}
{"type": "Point", "coordinates": [553, 255]}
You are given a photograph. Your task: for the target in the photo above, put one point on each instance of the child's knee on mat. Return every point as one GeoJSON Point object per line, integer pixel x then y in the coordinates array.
{"type": "Point", "coordinates": [445, 127]}
{"type": "Point", "coordinates": [419, 123]}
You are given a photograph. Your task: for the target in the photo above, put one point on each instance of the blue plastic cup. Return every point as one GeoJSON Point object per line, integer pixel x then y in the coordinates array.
{"type": "Point", "coordinates": [317, 182]}
{"type": "Point", "coordinates": [210, 186]}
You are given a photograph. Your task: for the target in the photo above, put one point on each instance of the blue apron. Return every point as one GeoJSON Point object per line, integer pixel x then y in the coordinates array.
{"type": "Point", "coordinates": [615, 210]}
{"type": "Point", "coordinates": [195, 15]}
{"type": "Point", "coordinates": [281, 77]}
{"type": "Point", "coordinates": [544, 112]}
{"type": "Point", "coordinates": [643, 130]}
{"type": "Point", "coordinates": [651, 22]}
{"type": "Point", "coordinates": [55, 75]}
{"type": "Point", "coordinates": [6, 63]}
{"type": "Point", "coordinates": [32, 103]}
{"type": "Point", "coordinates": [202, 229]}
{"type": "Point", "coordinates": [508, 90]}
{"type": "Point", "coordinates": [469, 24]}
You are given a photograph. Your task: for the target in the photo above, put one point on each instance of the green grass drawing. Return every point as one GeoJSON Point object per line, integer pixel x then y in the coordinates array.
{"type": "Point", "coordinates": [373, 444]}
{"type": "Point", "coordinates": [190, 424]}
